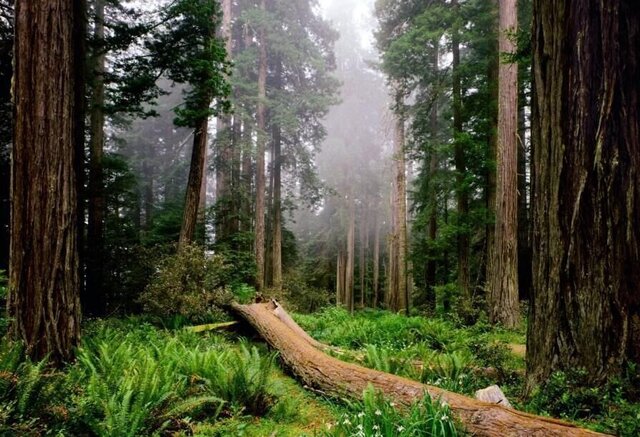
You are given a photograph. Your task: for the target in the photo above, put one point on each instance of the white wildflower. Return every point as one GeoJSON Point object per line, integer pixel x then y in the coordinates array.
{"type": "Point", "coordinates": [346, 422]}
{"type": "Point", "coordinates": [401, 428]}
{"type": "Point", "coordinates": [360, 427]}
{"type": "Point", "coordinates": [361, 414]}
{"type": "Point", "coordinates": [378, 413]}
{"type": "Point", "coordinates": [445, 417]}
{"type": "Point", "coordinates": [393, 404]}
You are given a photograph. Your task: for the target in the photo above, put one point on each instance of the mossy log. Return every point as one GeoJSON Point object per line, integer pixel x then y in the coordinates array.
{"type": "Point", "coordinates": [305, 358]}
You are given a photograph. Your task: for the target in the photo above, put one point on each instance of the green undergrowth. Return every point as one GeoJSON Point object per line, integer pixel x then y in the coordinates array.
{"type": "Point", "coordinates": [133, 379]}
{"type": "Point", "coordinates": [434, 351]}
{"type": "Point", "coordinates": [376, 416]}
{"type": "Point", "coordinates": [463, 359]}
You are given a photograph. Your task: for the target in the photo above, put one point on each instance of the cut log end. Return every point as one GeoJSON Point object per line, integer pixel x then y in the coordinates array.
{"type": "Point", "coordinates": [493, 395]}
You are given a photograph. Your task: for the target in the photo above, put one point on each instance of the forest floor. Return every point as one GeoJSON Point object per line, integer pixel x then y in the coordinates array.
{"type": "Point", "coordinates": [134, 378]}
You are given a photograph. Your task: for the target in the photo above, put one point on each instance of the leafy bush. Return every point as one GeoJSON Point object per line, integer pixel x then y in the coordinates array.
{"type": "Point", "coordinates": [188, 284]}
{"type": "Point", "coordinates": [377, 417]}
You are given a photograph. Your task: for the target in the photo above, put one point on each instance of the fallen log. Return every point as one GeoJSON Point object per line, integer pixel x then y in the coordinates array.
{"type": "Point", "coordinates": [341, 379]}
{"type": "Point", "coordinates": [211, 327]}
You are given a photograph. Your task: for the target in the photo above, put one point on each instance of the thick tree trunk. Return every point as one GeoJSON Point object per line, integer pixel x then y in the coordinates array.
{"type": "Point", "coordinates": [194, 185]}
{"type": "Point", "coordinates": [585, 309]}
{"type": "Point", "coordinates": [490, 188]}
{"type": "Point", "coordinates": [260, 166]}
{"type": "Point", "coordinates": [43, 301]}
{"type": "Point", "coordinates": [503, 293]}
{"type": "Point", "coordinates": [462, 192]}
{"type": "Point", "coordinates": [304, 357]}
{"type": "Point", "coordinates": [277, 192]}
{"type": "Point", "coordinates": [94, 299]}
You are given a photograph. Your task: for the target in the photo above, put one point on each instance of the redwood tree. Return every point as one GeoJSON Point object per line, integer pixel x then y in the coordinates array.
{"type": "Point", "coordinates": [585, 308]}
{"type": "Point", "coordinates": [44, 301]}
{"type": "Point", "coordinates": [503, 268]}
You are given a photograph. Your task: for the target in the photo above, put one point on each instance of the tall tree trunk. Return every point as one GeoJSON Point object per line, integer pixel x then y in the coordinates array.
{"type": "Point", "coordinates": [376, 263]}
{"type": "Point", "coordinates": [247, 178]}
{"type": "Point", "coordinates": [490, 188]}
{"type": "Point", "coordinates": [431, 267]}
{"type": "Point", "coordinates": [277, 191]}
{"type": "Point", "coordinates": [260, 166]}
{"type": "Point", "coordinates": [362, 255]}
{"type": "Point", "coordinates": [503, 293]}
{"type": "Point", "coordinates": [194, 185]}
{"type": "Point", "coordinates": [44, 301]}
{"type": "Point", "coordinates": [94, 301]}
{"type": "Point", "coordinates": [400, 209]}
{"type": "Point", "coordinates": [277, 212]}
{"type": "Point", "coordinates": [341, 279]}
{"type": "Point", "coordinates": [585, 309]}
{"type": "Point", "coordinates": [224, 140]}
{"type": "Point", "coordinates": [524, 228]}
{"type": "Point", "coordinates": [462, 192]}
{"type": "Point", "coordinates": [351, 238]}
{"type": "Point", "coordinates": [148, 175]}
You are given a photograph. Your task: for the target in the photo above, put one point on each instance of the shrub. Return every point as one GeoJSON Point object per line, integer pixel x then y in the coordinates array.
{"type": "Point", "coordinates": [188, 284]}
{"type": "Point", "coordinates": [377, 417]}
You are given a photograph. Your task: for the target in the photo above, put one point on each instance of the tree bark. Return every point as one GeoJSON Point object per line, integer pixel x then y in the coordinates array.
{"type": "Point", "coordinates": [224, 145]}
{"type": "Point", "coordinates": [277, 213]}
{"type": "Point", "coordinates": [304, 357]}
{"type": "Point", "coordinates": [194, 185]}
{"type": "Point", "coordinates": [431, 267]}
{"type": "Point", "coordinates": [44, 301]}
{"type": "Point", "coordinates": [462, 192]}
{"type": "Point", "coordinates": [350, 266]}
{"type": "Point", "coordinates": [503, 293]}
{"type": "Point", "coordinates": [362, 236]}
{"type": "Point", "coordinates": [376, 263]}
{"type": "Point", "coordinates": [277, 192]}
{"type": "Point", "coordinates": [260, 166]}
{"type": "Point", "coordinates": [94, 302]}
{"type": "Point", "coordinates": [585, 309]}
{"type": "Point", "coordinates": [400, 208]}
